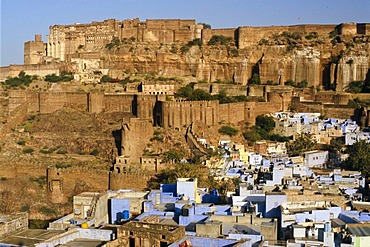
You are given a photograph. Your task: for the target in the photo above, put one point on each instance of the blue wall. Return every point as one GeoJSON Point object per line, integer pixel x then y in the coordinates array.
{"type": "Point", "coordinates": [117, 206]}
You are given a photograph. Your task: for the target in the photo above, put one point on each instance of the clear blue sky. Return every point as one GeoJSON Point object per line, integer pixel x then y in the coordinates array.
{"type": "Point", "coordinates": [22, 19]}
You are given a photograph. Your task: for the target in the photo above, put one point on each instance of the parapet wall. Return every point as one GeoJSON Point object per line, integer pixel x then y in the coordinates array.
{"type": "Point", "coordinates": [252, 35]}
{"type": "Point", "coordinates": [30, 69]}
{"type": "Point", "coordinates": [177, 114]}
{"type": "Point", "coordinates": [227, 32]}
{"type": "Point", "coordinates": [183, 113]}
{"type": "Point", "coordinates": [13, 223]}
{"type": "Point", "coordinates": [49, 102]}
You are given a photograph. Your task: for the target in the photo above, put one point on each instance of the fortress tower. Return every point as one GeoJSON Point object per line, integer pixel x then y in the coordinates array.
{"type": "Point", "coordinates": [34, 51]}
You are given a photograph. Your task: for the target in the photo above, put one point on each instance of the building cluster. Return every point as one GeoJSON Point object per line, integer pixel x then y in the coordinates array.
{"type": "Point", "coordinates": [322, 130]}
{"type": "Point", "coordinates": [279, 200]}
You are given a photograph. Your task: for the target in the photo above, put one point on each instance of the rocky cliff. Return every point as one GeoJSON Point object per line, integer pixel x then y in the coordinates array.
{"type": "Point", "coordinates": [324, 58]}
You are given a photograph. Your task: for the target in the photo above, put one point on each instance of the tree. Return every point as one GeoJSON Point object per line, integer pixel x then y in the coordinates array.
{"type": "Point", "coordinates": [173, 156]}
{"type": "Point", "coordinates": [302, 84]}
{"type": "Point", "coordinates": [266, 123]}
{"type": "Point", "coordinates": [64, 76]}
{"type": "Point", "coordinates": [255, 80]}
{"type": "Point", "coordinates": [105, 78]}
{"type": "Point", "coordinates": [205, 25]}
{"type": "Point", "coordinates": [290, 83]}
{"type": "Point", "coordinates": [228, 130]}
{"type": "Point", "coordinates": [22, 80]}
{"type": "Point", "coordinates": [252, 137]}
{"type": "Point", "coordinates": [219, 40]}
{"type": "Point", "coordinates": [169, 176]}
{"type": "Point", "coordinates": [359, 157]}
{"type": "Point", "coordinates": [302, 144]}
{"type": "Point", "coordinates": [354, 87]}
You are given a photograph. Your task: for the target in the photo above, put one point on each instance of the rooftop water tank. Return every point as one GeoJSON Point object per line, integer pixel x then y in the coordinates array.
{"type": "Point", "coordinates": [125, 214]}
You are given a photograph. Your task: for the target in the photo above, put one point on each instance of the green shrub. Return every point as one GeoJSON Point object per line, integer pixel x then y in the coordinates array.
{"type": "Point", "coordinates": [94, 152]}
{"type": "Point", "coordinates": [290, 83]}
{"type": "Point", "coordinates": [40, 181]}
{"type": "Point", "coordinates": [28, 150]}
{"type": "Point", "coordinates": [187, 46]}
{"type": "Point", "coordinates": [47, 211]}
{"type": "Point", "coordinates": [23, 80]}
{"type": "Point", "coordinates": [62, 151]}
{"type": "Point", "coordinates": [219, 40]}
{"type": "Point", "coordinates": [157, 138]}
{"type": "Point", "coordinates": [205, 25]}
{"type": "Point", "coordinates": [63, 165]}
{"type": "Point", "coordinates": [255, 80]}
{"type": "Point", "coordinates": [105, 78]}
{"type": "Point", "coordinates": [233, 52]}
{"type": "Point", "coordinates": [21, 142]}
{"type": "Point", "coordinates": [228, 130]}
{"type": "Point", "coordinates": [311, 35]}
{"type": "Point", "coordinates": [64, 77]}
{"type": "Point", "coordinates": [28, 126]}
{"type": "Point", "coordinates": [25, 208]}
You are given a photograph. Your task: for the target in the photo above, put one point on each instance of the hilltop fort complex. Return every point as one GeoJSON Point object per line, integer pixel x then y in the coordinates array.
{"type": "Point", "coordinates": [107, 105]}
{"type": "Point", "coordinates": [320, 54]}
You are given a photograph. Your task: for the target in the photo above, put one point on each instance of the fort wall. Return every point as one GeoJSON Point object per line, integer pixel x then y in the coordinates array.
{"type": "Point", "coordinates": [118, 103]}
{"type": "Point", "coordinates": [177, 114]}
{"type": "Point", "coordinates": [227, 32]}
{"type": "Point", "coordinates": [123, 181]}
{"type": "Point", "coordinates": [363, 28]}
{"type": "Point", "coordinates": [30, 69]}
{"type": "Point", "coordinates": [64, 182]}
{"type": "Point", "coordinates": [135, 134]}
{"type": "Point", "coordinates": [229, 89]}
{"type": "Point", "coordinates": [347, 28]}
{"type": "Point", "coordinates": [252, 35]}
{"type": "Point", "coordinates": [50, 102]}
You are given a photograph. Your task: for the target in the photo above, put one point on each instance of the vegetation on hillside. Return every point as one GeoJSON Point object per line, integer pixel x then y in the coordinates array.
{"type": "Point", "coordinates": [189, 93]}
{"type": "Point", "coordinates": [195, 42]}
{"type": "Point", "coordinates": [21, 81]}
{"type": "Point", "coordinates": [169, 176]}
{"type": "Point", "coordinates": [302, 144]}
{"type": "Point", "coordinates": [359, 157]}
{"type": "Point", "coordinates": [63, 77]}
{"type": "Point", "coordinates": [219, 40]}
{"type": "Point", "coordinates": [302, 84]}
{"type": "Point", "coordinates": [358, 87]}
{"type": "Point", "coordinates": [205, 25]}
{"type": "Point", "coordinates": [228, 130]}
{"type": "Point", "coordinates": [263, 130]}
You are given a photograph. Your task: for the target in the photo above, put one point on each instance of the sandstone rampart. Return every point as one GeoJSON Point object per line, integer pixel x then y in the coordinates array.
{"type": "Point", "coordinates": [227, 32]}
{"type": "Point", "coordinates": [252, 35]}
{"type": "Point", "coordinates": [70, 181]}
{"type": "Point", "coordinates": [30, 69]}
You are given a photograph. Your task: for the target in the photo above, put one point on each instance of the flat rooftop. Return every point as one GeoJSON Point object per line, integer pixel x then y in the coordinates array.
{"type": "Point", "coordinates": [30, 237]}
